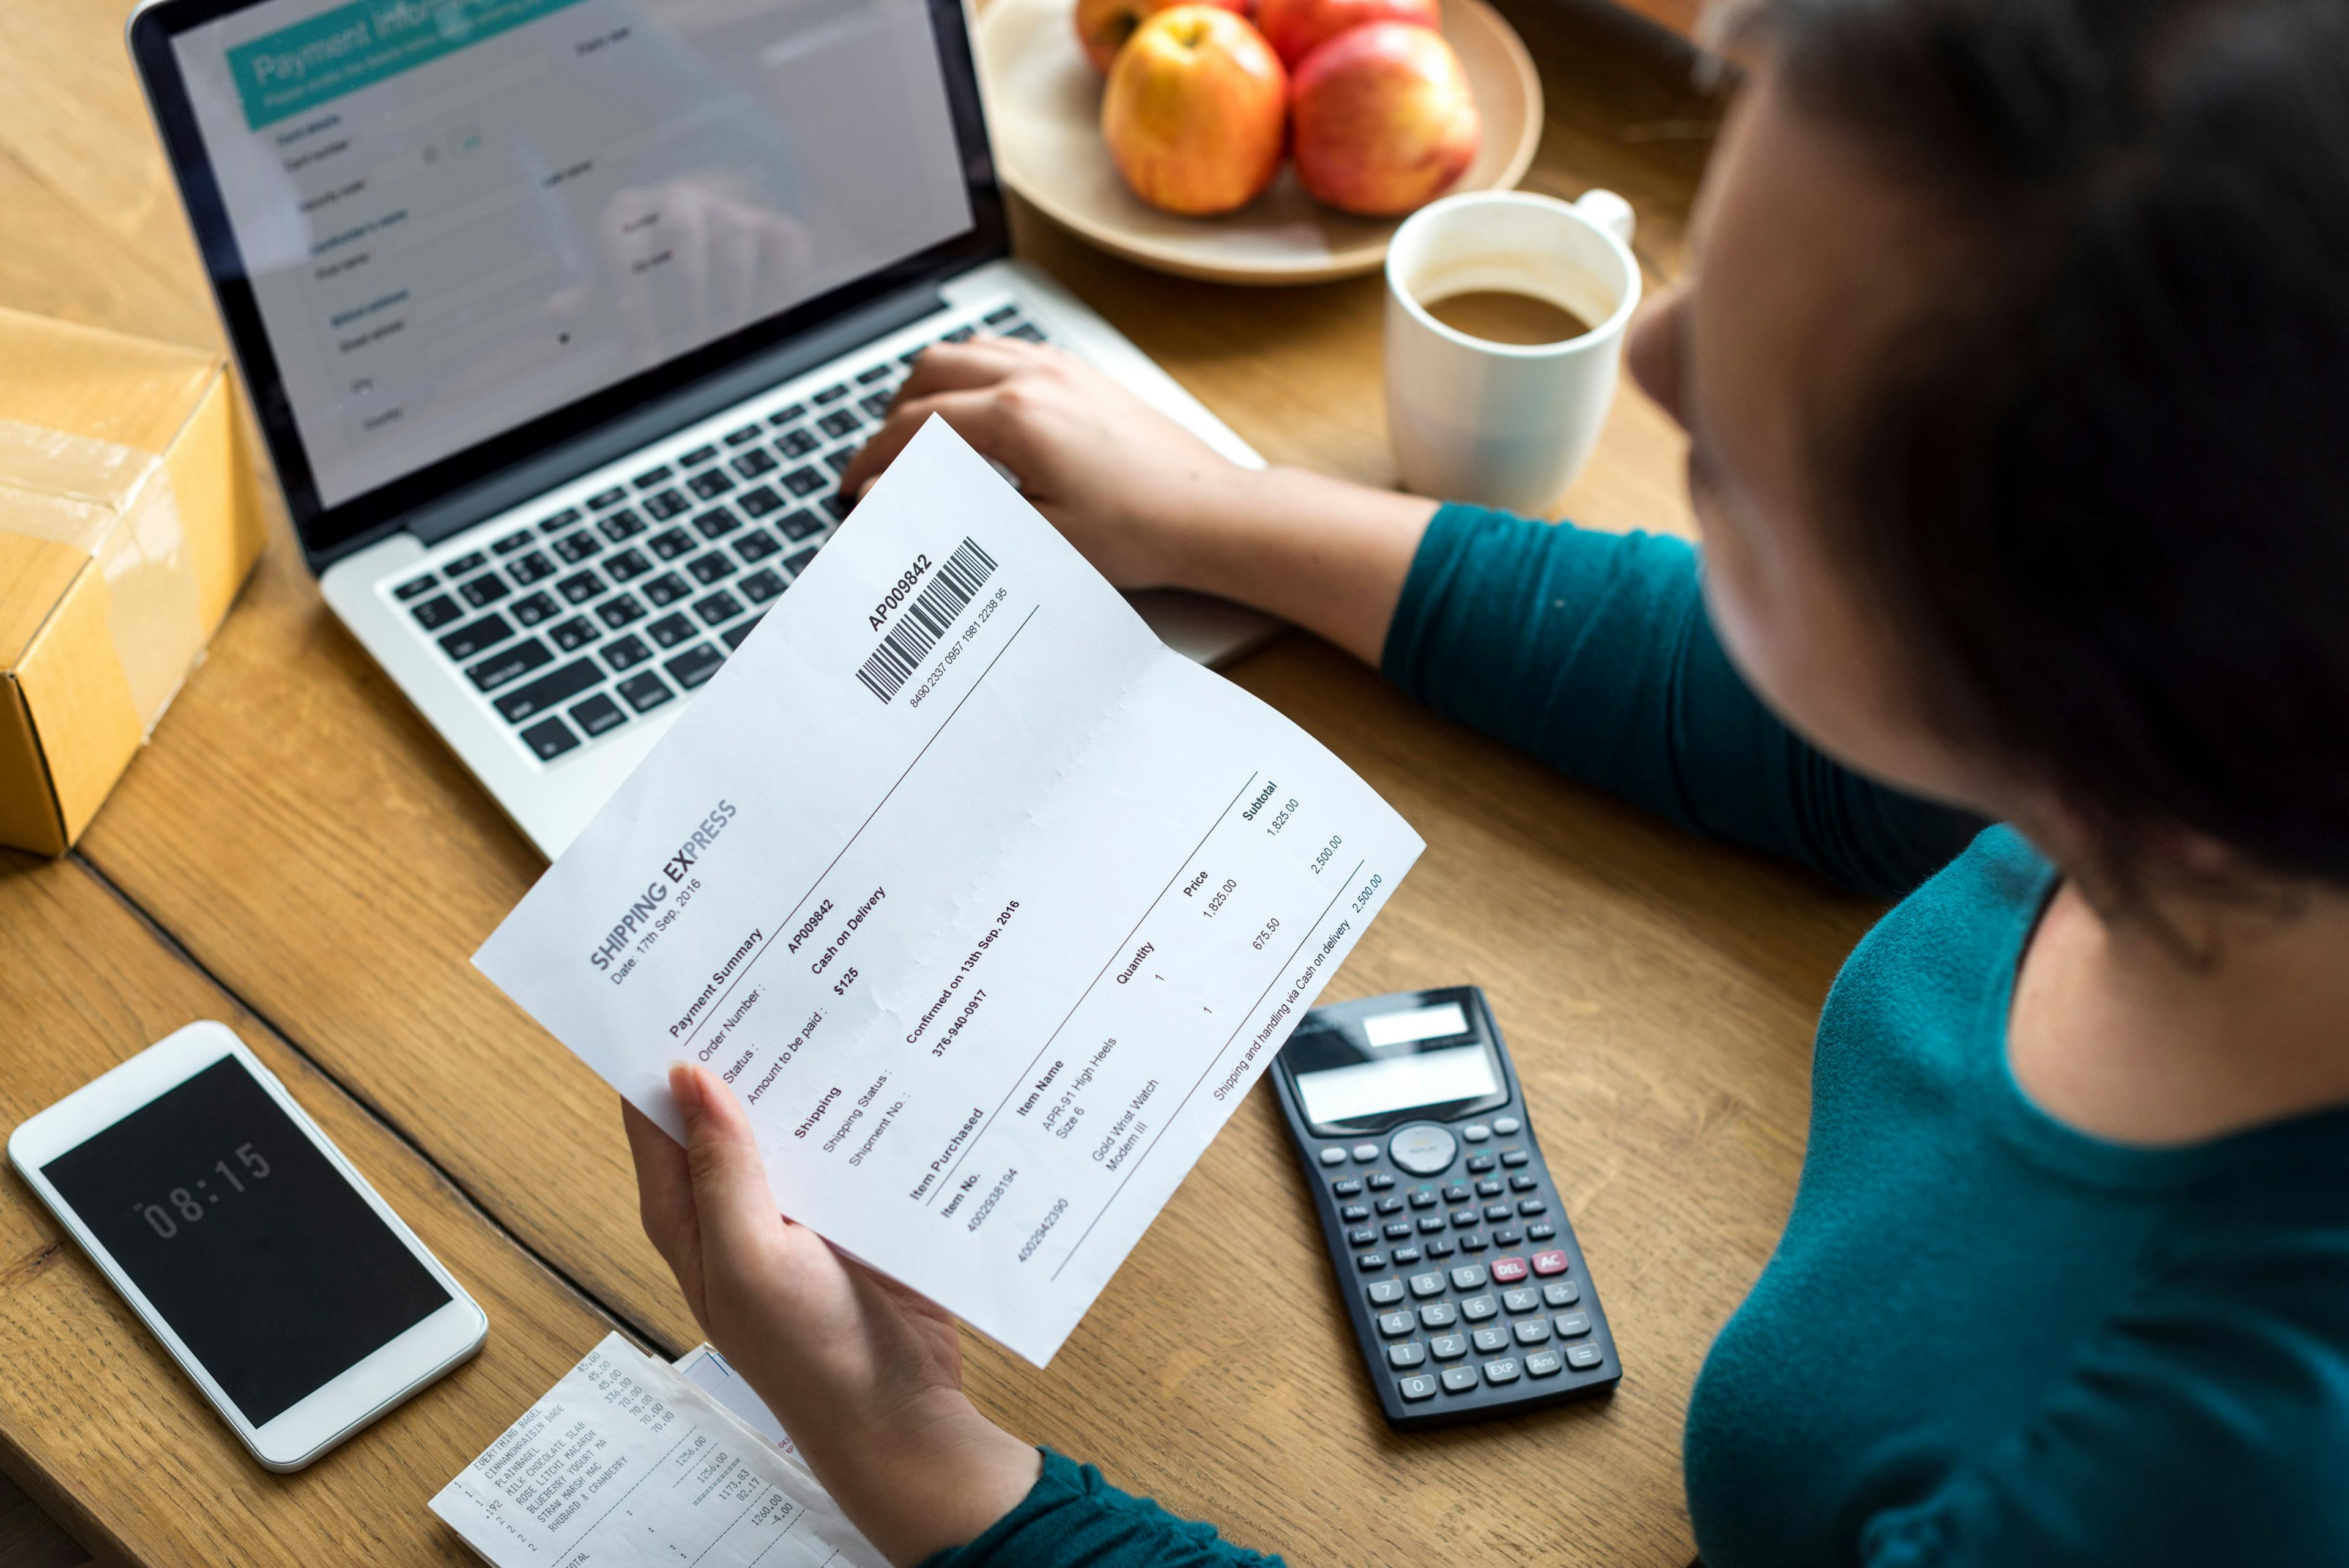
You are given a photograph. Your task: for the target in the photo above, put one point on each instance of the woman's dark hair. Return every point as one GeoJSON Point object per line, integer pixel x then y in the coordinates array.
{"type": "Point", "coordinates": [2104, 481]}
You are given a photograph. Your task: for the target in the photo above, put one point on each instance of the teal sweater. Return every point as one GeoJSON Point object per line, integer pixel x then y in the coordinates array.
{"type": "Point", "coordinates": [1984, 1341]}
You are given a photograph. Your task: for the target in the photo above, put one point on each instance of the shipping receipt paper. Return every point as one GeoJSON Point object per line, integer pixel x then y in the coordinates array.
{"type": "Point", "coordinates": [989, 906]}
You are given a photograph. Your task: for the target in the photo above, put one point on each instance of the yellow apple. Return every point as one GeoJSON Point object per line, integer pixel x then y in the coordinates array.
{"type": "Point", "coordinates": [1384, 119]}
{"type": "Point", "coordinates": [1195, 110]}
{"type": "Point", "coordinates": [1295, 28]}
{"type": "Point", "coordinates": [1104, 26]}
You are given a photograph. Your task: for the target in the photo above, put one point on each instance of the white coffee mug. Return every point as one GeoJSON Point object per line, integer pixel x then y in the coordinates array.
{"type": "Point", "coordinates": [1504, 424]}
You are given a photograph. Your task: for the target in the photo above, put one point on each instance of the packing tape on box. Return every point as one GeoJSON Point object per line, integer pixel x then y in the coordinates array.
{"type": "Point", "coordinates": [114, 505]}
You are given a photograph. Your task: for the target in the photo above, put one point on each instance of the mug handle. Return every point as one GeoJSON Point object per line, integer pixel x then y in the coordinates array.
{"type": "Point", "coordinates": [1608, 210]}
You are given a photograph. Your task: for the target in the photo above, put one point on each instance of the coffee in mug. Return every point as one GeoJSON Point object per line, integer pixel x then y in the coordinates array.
{"type": "Point", "coordinates": [1506, 316]}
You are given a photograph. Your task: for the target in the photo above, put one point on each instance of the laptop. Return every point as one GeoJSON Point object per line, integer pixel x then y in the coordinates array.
{"type": "Point", "coordinates": [562, 317]}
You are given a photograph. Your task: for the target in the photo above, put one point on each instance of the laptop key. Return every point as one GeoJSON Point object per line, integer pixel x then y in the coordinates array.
{"type": "Point", "coordinates": [830, 395]}
{"type": "Point", "coordinates": [734, 635]}
{"type": "Point", "coordinates": [471, 638]}
{"type": "Point", "coordinates": [699, 455]}
{"type": "Point", "coordinates": [797, 563]}
{"type": "Point", "coordinates": [783, 417]}
{"type": "Point", "coordinates": [598, 714]}
{"type": "Point", "coordinates": [436, 612]}
{"type": "Point", "coordinates": [512, 542]}
{"type": "Point", "coordinates": [707, 569]}
{"type": "Point", "coordinates": [548, 691]}
{"type": "Point", "coordinates": [550, 740]}
{"type": "Point", "coordinates": [720, 606]}
{"type": "Point", "coordinates": [840, 460]}
{"type": "Point", "coordinates": [624, 652]}
{"type": "Point", "coordinates": [472, 562]}
{"type": "Point", "coordinates": [695, 665]}
{"type": "Point", "coordinates": [576, 547]}
{"type": "Point", "coordinates": [532, 608]}
{"type": "Point", "coordinates": [619, 610]}
{"type": "Point", "coordinates": [485, 589]}
{"type": "Point", "coordinates": [1002, 314]}
{"type": "Point", "coordinates": [581, 586]}
{"type": "Point", "coordinates": [799, 525]}
{"type": "Point", "coordinates": [622, 524]}
{"type": "Point", "coordinates": [629, 563]}
{"type": "Point", "coordinates": [666, 588]}
{"type": "Point", "coordinates": [668, 546]}
{"type": "Point", "coordinates": [605, 500]}
{"type": "Point", "coordinates": [756, 547]}
{"type": "Point", "coordinates": [748, 433]}
{"type": "Point", "coordinates": [840, 422]}
{"type": "Point", "coordinates": [670, 630]}
{"type": "Point", "coordinates": [959, 334]}
{"type": "Point", "coordinates": [761, 585]}
{"type": "Point", "coordinates": [757, 502]}
{"type": "Point", "coordinates": [716, 520]}
{"type": "Point", "coordinates": [796, 443]}
{"type": "Point", "coordinates": [509, 663]}
{"type": "Point", "coordinates": [665, 504]}
{"type": "Point", "coordinates": [878, 373]}
{"type": "Point", "coordinates": [574, 634]}
{"type": "Point", "coordinates": [754, 462]}
{"type": "Point", "coordinates": [877, 404]}
{"type": "Point", "coordinates": [804, 482]}
{"type": "Point", "coordinates": [709, 484]}
{"type": "Point", "coordinates": [560, 521]}
{"type": "Point", "coordinates": [839, 507]}
{"type": "Point", "coordinates": [414, 586]}
{"type": "Point", "coordinates": [651, 477]}
{"type": "Point", "coordinates": [1027, 330]}
{"type": "Point", "coordinates": [645, 693]}
{"type": "Point", "coordinates": [528, 569]}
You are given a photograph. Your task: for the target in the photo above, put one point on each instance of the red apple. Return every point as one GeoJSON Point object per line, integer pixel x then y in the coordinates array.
{"type": "Point", "coordinates": [1104, 26]}
{"type": "Point", "coordinates": [1295, 28]}
{"type": "Point", "coordinates": [1195, 110]}
{"type": "Point", "coordinates": [1384, 120]}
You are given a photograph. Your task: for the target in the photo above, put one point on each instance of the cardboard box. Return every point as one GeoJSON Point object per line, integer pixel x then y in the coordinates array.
{"type": "Point", "coordinates": [129, 515]}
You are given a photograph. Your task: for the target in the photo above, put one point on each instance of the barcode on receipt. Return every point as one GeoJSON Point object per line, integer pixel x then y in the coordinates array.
{"type": "Point", "coordinates": [926, 620]}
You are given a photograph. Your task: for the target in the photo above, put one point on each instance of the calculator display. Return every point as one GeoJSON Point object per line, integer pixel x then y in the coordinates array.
{"type": "Point", "coordinates": [1398, 1083]}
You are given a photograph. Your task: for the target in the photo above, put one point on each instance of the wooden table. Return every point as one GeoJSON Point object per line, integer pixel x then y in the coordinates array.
{"type": "Point", "coordinates": [297, 854]}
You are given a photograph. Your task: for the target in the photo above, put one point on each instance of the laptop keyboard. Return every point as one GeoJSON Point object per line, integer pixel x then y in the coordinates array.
{"type": "Point", "coordinates": [632, 594]}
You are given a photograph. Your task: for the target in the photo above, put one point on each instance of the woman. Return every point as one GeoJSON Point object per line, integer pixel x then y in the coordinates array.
{"type": "Point", "coordinates": [2014, 363]}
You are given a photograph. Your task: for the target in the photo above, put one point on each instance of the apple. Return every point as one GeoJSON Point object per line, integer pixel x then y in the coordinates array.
{"type": "Point", "coordinates": [1195, 110]}
{"type": "Point", "coordinates": [1295, 28]}
{"type": "Point", "coordinates": [1383, 119]}
{"type": "Point", "coordinates": [1104, 26]}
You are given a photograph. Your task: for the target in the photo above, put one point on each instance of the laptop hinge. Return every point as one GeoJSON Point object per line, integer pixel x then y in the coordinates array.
{"type": "Point", "coordinates": [617, 438]}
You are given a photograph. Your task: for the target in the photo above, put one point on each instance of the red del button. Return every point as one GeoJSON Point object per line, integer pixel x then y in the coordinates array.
{"type": "Point", "coordinates": [1550, 1263]}
{"type": "Point", "coordinates": [1508, 1271]}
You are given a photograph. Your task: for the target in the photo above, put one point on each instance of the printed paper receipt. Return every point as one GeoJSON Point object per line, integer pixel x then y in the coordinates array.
{"type": "Point", "coordinates": [988, 905]}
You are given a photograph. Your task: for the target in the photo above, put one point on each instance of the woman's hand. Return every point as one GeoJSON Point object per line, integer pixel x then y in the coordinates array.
{"type": "Point", "coordinates": [864, 1374]}
{"type": "Point", "coordinates": [1151, 505]}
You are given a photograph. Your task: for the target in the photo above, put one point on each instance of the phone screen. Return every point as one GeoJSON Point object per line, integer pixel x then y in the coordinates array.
{"type": "Point", "coordinates": [266, 1261]}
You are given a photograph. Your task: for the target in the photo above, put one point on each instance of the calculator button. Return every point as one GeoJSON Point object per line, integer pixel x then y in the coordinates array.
{"type": "Point", "coordinates": [1381, 1180]}
{"type": "Point", "coordinates": [1541, 1231]}
{"type": "Point", "coordinates": [1365, 1152]}
{"type": "Point", "coordinates": [1394, 1324]}
{"type": "Point", "coordinates": [1514, 1158]}
{"type": "Point", "coordinates": [1521, 1182]}
{"type": "Point", "coordinates": [1562, 1292]}
{"type": "Point", "coordinates": [1456, 1193]}
{"type": "Point", "coordinates": [1438, 1315]}
{"type": "Point", "coordinates": [1476, 1309]}
{"type": "Point", "coordinates": [1583, 1358]}
{"type": "Point", "coordinates": [1551, 1263]}
{"type": "Point", "coordinates": [1468, 1277]}
{"type": "Point", "coordinates": [1390, 1205]}
{"type": "Point", "coordinates": [1383, 1292]}
{"type": "Point", "coordinates": [1508, 1271]}
{"type": "Point", "coordinates": [1476, 1132]}
{"type": "Point", "coordinates": [1532, 1206]}
{"type": "Point", "coordinates": [1505, 1126]}
{"type": "Point", "coordinates": [1362, 1236]}
{"type": "Point", "coordinates": [1432, 1224]}
{"type": "Point", "coordinates": [1354, 1213]}
{"type": "Point", "coordinates": [1573, 1325]}
{"type": "Point", "coordinates": [1371, 1262]}
{"type": "Point", "coordinates": [1497, 1213]}
{"type": "Point", "coordinates": [1448, 1347]}
{"type": "Point", "coordinates": [1479, 1162]}
{"type": "Point", "coordinates": [1419, 1386]}
{"type": "Point", "coordinates": [1346, 1186]}
{"type": "Point", "coordinates": [1474, 1242]}
{"type": "Point", "coordinates": [1464, 1218]}
{"type": "Point", "coordinates": [1488, 1187]}
{"type": "Point", "coordinates": [1491, 1337]}
{"type": "Point", "coordinates": [1406, 1255]}
{"type": "Point", "coordinates": [1459, 1379]}
{"type": "Point", "coordinates": [1439, 1247]}
{"type": "Point", "coordinates": [1532, 1330]}
{"type": "Point", "coordinates": [1333, 1155]}
{"type": "Point", "coordinates": [1525, 1298]}
{"type": "Point", "coordinates": [1412, 1355]}
{"type": "Point", "coordinates": [1422, 1148]}
{"type": "Point", "coordinates": [1544, 1364]}
{"type": "Point", "coordinates": [1502, 1371]}
{"type": "Point", "coordinates": [1426, 1285]}
{"type": "Point", "coordinates": [1506, 1237]}
{"type": "Point", "coordinates": [1422, 1197]}
{"type": "Point", "coordinates": [1398, 1230]}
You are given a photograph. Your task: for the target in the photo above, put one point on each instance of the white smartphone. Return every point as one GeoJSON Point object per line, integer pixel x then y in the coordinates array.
{"type": "Point", "coordinates": [289, 1291]}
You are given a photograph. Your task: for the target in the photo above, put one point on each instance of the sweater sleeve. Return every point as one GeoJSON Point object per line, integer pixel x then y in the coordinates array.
{"type": "Point", "coordinates": [2206, 1425]}
{"type": "Point", "coordinates": [1593, 651]}
{"type": "Point", "coordinates": [1072, 1518]}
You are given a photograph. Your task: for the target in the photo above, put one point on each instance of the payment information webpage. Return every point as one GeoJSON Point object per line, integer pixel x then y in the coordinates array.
{"type": "Point", "coordinates": [460, 214]}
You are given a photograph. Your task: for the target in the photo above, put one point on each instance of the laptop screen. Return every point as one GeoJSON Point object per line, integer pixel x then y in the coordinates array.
{"type": "Point", "coordinates": [456, 216]}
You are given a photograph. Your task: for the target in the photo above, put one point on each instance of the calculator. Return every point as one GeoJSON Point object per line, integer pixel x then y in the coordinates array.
{"type": "Point", "coordinates": [1469, 1294]}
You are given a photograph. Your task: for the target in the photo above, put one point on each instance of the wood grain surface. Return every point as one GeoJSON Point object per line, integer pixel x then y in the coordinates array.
{"type": "Point", "coordinates": [298, 854]}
